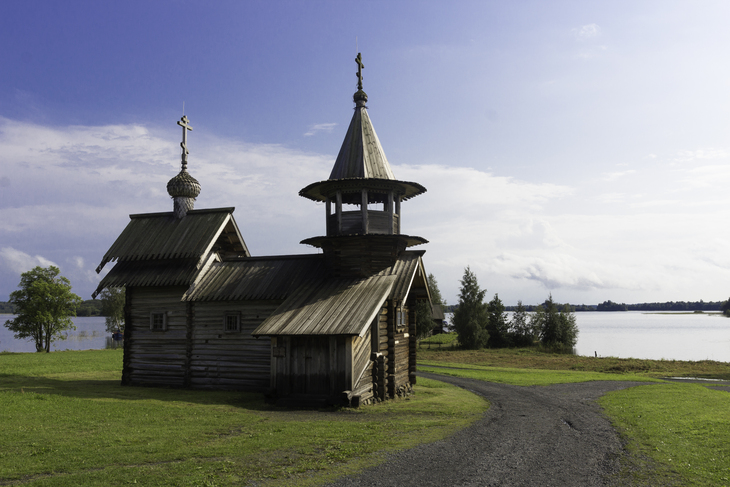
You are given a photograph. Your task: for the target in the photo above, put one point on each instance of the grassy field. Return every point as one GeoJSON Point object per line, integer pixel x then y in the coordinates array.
{"type": "Point", "coordinates": [534, 359]}
{"type": "Point", "coordinates": [65, 420]}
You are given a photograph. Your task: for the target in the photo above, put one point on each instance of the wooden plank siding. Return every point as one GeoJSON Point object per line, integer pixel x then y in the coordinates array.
{"type": "Point", "coordinates": [156, 357]}
{"type": "Point", "coordinates": [223, 359]}
{"type": "Point", "coordinates": [195, 350]}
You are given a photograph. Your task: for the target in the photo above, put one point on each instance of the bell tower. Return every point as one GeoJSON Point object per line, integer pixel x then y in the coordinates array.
{"type": "Point", "coordinates": [363, 201]}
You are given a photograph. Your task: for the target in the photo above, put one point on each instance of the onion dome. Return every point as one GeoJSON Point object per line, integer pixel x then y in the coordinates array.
{"type": "Point", "coordinates": [183, 185]}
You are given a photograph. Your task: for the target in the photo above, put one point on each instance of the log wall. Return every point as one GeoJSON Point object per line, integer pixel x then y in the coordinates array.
{"type": "Point", "coordinates": [223, 359]}
{"type": "Point", "coordinates": [194, 350]}
{"type": "Point", "coordinates": [155, 357]}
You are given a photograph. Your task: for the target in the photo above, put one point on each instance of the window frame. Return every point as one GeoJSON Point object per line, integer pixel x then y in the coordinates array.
{"type": "Point", "coordinates": [152, 321]}
{"type": "Point", "coordinates": [232, 314]}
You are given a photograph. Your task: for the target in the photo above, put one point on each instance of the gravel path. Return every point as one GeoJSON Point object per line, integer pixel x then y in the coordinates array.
{"type": "Point", "coordinates": [542, 436]}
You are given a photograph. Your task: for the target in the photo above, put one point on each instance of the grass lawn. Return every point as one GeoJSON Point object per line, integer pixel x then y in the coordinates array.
{"type": "Point", "coordinates": [65, 420]}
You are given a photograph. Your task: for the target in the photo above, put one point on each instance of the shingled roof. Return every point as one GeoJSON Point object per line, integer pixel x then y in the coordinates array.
{"type": "Point", "coordinates": [159, 249]}
{"type": "Point", "coordinates": [157, 236]}
{"type": "Point", "coordinates": [343, 306]}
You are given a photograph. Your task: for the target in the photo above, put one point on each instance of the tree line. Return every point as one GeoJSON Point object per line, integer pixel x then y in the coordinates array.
{"type": "Point", "coordinates": [479, 324]}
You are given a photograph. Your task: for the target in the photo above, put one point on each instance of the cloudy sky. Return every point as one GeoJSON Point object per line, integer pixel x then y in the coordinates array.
{"type": "Point", "coordinates": [568, 147]}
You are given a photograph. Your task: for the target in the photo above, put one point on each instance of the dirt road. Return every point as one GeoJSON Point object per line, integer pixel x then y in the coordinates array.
{"type": "Point", "coordinates": [541, 436]}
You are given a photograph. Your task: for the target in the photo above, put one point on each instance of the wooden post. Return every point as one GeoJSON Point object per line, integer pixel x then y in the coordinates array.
{"type": "Point", "coordinates": [328, 211]}
{"type": "Point", "coordinates": [338, 209]}
{"type": "Point", "coordinates": [365, 211]}
{"type": "Point", "coordinates": [397, 211]}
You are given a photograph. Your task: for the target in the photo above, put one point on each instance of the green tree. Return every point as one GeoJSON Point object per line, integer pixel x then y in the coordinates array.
{"type": "Point", "coordinates": [44, 305]}
{"type": "Point", "coordinates": [497, 325]}
{"type": "Point", "coordinates": [522, 333]}
{"type": "Point", "coordinates": [435, 292]}
{"type": "Point", "coordinates": [112, 307]}
{"type": "Point", "coordinates": [424, 319]}
{"type": "Point", "coordinates": [557, 328]}
{"type": "Point", "coordinates": [725, 308]}
{"type": "Point", "coordinates": [471, 318]}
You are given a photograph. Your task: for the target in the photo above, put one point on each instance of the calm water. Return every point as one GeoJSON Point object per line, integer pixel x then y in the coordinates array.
{"type": "Point", "coordinates": [631, 334]}
{"type": "Point", "coordinates": [90, 334]}
{"type": "Point", "coordinates": [637, 334]}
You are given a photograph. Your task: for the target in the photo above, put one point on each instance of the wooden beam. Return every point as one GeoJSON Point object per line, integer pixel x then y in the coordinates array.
{"type": "Point", "coordinates": [364, 211]}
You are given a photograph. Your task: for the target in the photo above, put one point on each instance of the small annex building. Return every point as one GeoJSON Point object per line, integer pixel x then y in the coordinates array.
{"type": "Point", "coordinates": [333, 327]}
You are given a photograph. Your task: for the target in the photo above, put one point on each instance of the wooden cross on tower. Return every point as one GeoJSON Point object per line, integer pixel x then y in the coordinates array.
{"type": "Point", "coordinates": [185, 124]}
{"type": "Point", "coordinates": [360, 65]}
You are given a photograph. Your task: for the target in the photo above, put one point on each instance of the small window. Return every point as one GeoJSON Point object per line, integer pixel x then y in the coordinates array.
{"type": "Point", "coordinates": [158, 321]}
{"type": "Point", "coordinates": [401, 317]}
{"type": "Point", "coordinates": [232, 322]}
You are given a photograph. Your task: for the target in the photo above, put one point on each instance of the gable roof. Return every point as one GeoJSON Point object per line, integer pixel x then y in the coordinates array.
{"type": "Point", "coordinates": [333, 307]}
{"type": "Point", "coordinates": [160, 236]}
{"type": "Point", "coordinates": [342, 306]}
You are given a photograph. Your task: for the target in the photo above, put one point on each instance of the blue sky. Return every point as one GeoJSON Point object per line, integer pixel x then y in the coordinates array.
{"type": "Point", "coordinates": [574, 148]}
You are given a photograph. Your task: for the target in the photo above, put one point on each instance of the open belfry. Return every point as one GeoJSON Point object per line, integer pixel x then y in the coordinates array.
{"type": "Point", "coordinates": [336, 327]}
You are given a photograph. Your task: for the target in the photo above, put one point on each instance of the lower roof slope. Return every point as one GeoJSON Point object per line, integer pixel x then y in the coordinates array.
{"type": "Point", "coordinates": [332, 307]}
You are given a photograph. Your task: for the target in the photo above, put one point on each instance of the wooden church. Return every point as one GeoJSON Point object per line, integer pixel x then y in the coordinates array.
{"type": "Point", "coordinates": [334, 327]}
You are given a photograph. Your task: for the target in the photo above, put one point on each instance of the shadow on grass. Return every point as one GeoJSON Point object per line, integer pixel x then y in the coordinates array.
{"type": "Point", "coordinates": [112, 389]}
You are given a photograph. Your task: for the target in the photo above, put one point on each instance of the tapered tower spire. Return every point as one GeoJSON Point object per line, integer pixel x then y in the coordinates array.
{"type": "Point", "coordinates": [363, 200]}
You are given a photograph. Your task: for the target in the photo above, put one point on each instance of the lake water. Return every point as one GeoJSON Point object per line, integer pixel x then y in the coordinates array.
{"type": "Point", "coordinates": [638, 334]}
{"type": "Point", "coordinates": [90, 334]}
{"type": "Point", "coordinates": [631, 334]}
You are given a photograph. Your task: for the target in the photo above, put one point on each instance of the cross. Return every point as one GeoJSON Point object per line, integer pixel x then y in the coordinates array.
{"type": "Point", "coordinates": [360, 65]}
{"type": "Point", "coordinates": [184, 123]}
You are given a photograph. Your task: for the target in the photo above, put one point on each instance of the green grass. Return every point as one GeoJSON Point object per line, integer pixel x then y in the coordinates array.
{"type": "Point", "coordinates": [522, 377]}
{"type": "Point", "coordinates": [442, 339]}
{"type": "Point", "coordinates": [683, 428]}
{"type": "Point", "coordinates": [65, 420]}
{"type": "Point", "coordinates": [537, 359]}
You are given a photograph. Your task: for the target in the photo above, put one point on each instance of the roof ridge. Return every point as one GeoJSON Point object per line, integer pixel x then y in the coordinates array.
{"type": "Point", "coordinates": [229, 209]}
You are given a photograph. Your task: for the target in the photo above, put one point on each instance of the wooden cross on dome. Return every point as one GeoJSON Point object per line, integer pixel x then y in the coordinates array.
{"type": "Point", "coordinates": [185, 124]}
{"type": "Point", "coordinates": [360, 65]}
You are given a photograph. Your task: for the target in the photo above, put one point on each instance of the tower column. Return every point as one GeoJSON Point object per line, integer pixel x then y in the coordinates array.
{"type": "Point", "coordinates": [338, 204]}
{"type": "Point", "coordinates": [391, 230]}
{"type": "Point", "coordinates": [365, 211]}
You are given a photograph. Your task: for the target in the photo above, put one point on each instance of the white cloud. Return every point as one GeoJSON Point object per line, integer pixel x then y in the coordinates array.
{"type": "Point", "coordinates": [586, 32]}
{"type": "Point", "coordinates": [18, 261]}
{"type": "Point", "coordinates": [71, 188]}
{"type": "Point", "coordinates": [320, 127]}
{"type": "Point", "coordinates": [612, 176]}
